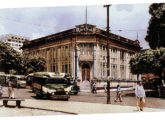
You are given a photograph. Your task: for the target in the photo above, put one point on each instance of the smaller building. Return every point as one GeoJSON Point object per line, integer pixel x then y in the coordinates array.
{"type": "Point", "coordinates": [15, 41]}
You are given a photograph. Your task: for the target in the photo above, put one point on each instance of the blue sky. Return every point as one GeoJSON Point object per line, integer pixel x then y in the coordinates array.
{"type": "Point", "coordinates": [41, 21]}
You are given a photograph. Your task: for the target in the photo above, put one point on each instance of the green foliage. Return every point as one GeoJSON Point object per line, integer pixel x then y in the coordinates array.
{"type": "Point", "coordinates": [9, 58]}
{"type": "Point", "coordinates": [155, 34]}
{"type": "Point", "coordinates": [149, 61]}
{"type": "Point", "coordinates": [32, 64]}
{"type": "Point", "coordinates": [21, 63]}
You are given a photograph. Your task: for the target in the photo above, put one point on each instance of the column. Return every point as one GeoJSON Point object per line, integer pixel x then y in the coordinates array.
{"type": "Point", "coordinates": [78, 67]}
{"type": "Point", "coordinates": [127, 66]}
{"type": "Point", "coordinates": [118, 64]}
{"type": "Point", "coordinates": [95, 61]}
{"type": "Point", "coordinates": [73, 62]}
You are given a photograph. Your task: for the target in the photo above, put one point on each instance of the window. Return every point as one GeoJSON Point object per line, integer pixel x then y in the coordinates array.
{"type": "Point", "coordinates": [66, 68]}
{"type": "Point", "coordinates": [104, 69]}
{"type": "Point", "coordinates": [66, 51]}
{"type": "Point", "coordinates": [114, 71]}
{"type": "Point", "coordinates": [114, 53]}
{"type": "Point", "coordinates": [122, 55]}
{"type": "Point", "coordinates": [56, 67]}
{"type": "Point", "coordinates": [69, 69]}
{"type": "Point", "coordinates": [122, 72]}
{"type": "Point", "coordinates": [63, 68]}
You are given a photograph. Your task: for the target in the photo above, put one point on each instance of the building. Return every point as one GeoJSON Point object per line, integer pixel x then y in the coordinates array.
{"type": "Point", "coordinates": [90, 41]}
{"type": "Point", "coordinates": [15, 41]}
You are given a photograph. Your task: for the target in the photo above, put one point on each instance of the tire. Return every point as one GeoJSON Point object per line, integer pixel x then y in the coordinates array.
{"type": "Point", "coordinates": [18, 86]}
{"type": "Point", "coordinates": [66, 99]}
{"type": "Point", "coordinates": [39, 96]}
{"type": "Point", "coordinates": [48, 96]}
{"type": "Point", "coordinates": [75, 93]}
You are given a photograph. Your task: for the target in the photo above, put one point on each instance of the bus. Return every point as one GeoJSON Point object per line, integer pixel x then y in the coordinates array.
{"type": "Point", "coordinates": [52, 85]}
{"type": "Point", "coordinates": [18, 81]}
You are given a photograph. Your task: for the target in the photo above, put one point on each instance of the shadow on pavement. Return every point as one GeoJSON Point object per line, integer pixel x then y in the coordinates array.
{"type": "Point", "coordinates": [34, 108]}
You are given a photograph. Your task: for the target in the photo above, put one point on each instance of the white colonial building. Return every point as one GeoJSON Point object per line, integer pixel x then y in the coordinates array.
{"type": "Point", "coordinates": [15, 41]}
{"type": "Point", "coordinates": [91, 42]}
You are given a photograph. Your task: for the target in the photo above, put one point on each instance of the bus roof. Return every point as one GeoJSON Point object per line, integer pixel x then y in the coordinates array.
{"type": "Point", "coordinates": [52, 74]}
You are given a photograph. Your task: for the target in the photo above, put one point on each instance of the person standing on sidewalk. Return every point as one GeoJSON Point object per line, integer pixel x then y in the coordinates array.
{"type": "Point", "coordinates": [94, 87]}
{"type": "Point", "coordinates": [10, 90]}
{"type": "Point", "coordinates": [1, 91]}
{"type": "Point", "coordinates": [118, 94]}
{"type": "Point", "coordinates": [140, 96]}
{"type": "Point", "coordinates": [105, 86]}
{"type": "Point", "coordinates": [91, 83]}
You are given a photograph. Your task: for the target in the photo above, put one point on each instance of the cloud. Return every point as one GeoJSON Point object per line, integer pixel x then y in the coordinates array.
{"type": "Point", "coordinates": [39, 22]}
{"type": "Point", "coordinates": [127, 8]}
{"type": "Point", "coordinates": [2, 29]}
{"type": "Point", "coordinates": [35, 35]}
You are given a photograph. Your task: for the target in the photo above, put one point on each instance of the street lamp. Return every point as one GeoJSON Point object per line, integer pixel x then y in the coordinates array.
{"type": "Point", "coordinates": [108, 60]}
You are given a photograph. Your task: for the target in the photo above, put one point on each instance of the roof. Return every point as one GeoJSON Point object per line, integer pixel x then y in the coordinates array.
{"type": "Point", "coordinates": [83, 29]}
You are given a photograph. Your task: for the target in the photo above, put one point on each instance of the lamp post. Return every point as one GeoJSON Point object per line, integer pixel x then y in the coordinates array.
{"type": "Point", "coordinates": [108, 60]}
{"type": "Point", "coordinates": [75, 61]}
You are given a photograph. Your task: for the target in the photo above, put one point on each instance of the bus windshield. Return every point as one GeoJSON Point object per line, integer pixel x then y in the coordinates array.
{"type": "Point", "coordinates": [22, 79]}
{"type": "Point", "coordinates": [57, 81]}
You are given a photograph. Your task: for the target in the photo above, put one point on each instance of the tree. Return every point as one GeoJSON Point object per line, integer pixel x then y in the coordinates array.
{"type": "Point", "coordinates": [149, 61]}
{"type": "Point", "coordinates": [21, 63]}
{"type": "Point", "coordinates": [33, 64]}
{"type": "Point", "coordinates": [155, 33]}
{"type": "Point", "coordinates": [9, 58]}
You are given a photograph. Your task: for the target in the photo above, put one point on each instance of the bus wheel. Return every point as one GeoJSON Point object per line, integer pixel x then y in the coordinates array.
{"type": "Point", "coordinates": [75, 93]}
{"type": "Point", "coordinates": [66, 99]}
{"type": "Point", "coordinates": [39, 96]}
{"type": "Point", "coordinates": [48, 96]}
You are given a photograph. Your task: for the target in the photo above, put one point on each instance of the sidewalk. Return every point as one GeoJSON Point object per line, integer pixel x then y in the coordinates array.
{"type": "Point", "coordinates": [51, 107]}
{"type": "Point", "coordinates": [112, 90]}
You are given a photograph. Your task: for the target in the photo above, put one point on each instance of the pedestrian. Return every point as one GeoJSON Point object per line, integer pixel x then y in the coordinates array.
{"type": "Point", "coordinates": [10, 90]}
{"type": "Point", "coordinates": [94, 87]}
{"type": "Point", "coordinates": [159, 91]}
{"type": "Point", "coordinates": [140, 96]}
{"type": "Point", "coordinates": [1, 91]}
{"type": "Point", "coordinates": [91, 86]}
{"type": "Point", "coordinates": [105, 86]}
{"type": "Point", "coordinates": [118, 94]}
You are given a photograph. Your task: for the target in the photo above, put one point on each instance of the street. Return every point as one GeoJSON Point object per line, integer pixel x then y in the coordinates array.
{"type": "Point", "coordinates": [127, 96]}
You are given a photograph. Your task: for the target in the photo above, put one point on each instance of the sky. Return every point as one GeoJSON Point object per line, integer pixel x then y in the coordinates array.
{"type": "Point", "coordinates": [37, 22]}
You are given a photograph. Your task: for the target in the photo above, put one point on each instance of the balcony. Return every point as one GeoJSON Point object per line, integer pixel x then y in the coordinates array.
{"type": "Point", "coordinates": [87, 58]}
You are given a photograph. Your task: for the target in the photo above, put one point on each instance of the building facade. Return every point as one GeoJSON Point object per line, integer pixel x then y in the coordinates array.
{"type": "Point", "coordinates": [90, 43]}
{"type": "Point", "coordinates": [15, 41]}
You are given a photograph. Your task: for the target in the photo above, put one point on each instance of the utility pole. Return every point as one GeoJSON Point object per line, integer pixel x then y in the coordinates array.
{"type": "Point", "coordinates": [76, 61]}
{"type": "Point", "coordinates": [108, 60]}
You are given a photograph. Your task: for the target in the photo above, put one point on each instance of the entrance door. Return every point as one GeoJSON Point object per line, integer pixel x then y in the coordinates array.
{"type": "Point", "coordinates": [85, 72]}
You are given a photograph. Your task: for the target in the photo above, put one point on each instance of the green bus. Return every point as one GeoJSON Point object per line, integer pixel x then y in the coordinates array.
{"type": "Point", "coordinates": [53, 85]}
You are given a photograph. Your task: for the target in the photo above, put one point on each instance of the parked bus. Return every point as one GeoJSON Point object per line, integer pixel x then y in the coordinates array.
{"type": "Point", "coordinates": [18, 80]}
{"type": "Point", "coordinates": [52, 85]}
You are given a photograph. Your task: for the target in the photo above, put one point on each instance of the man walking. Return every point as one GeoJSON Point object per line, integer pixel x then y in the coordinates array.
{"type": "Point", "coordinates": [118, 94]}
{"type": "Point", "coordinates": [140, 96]}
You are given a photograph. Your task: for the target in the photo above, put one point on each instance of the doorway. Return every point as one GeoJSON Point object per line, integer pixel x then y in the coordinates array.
{"type": "Point", "coordinates": [86, 72]}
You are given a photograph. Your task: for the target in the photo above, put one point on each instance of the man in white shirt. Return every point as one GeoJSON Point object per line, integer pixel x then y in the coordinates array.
{"type": "Point", "coordinates": [140, 96]}
{"type": "Point", "coordinates": [1, 91]}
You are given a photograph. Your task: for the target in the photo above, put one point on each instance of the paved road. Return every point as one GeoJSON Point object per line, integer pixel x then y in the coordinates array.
{"type": "Point", "coordinates": [100, 97]}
